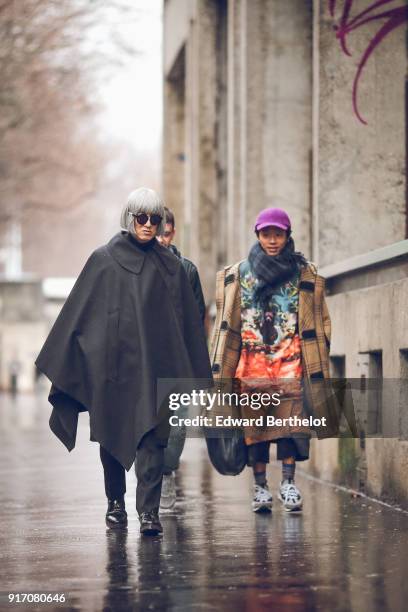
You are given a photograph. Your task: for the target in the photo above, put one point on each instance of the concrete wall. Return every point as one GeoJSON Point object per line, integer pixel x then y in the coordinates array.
{"type": "Point", "coordinates": [267, 117]}
{"type": "Point", "coordinates": [361, 172]}
{"type": "Point", "coordinates": [374, 319]}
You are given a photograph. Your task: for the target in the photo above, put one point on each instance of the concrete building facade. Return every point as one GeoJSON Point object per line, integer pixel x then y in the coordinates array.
{"type": "Point", "coordinates": [301, 104]}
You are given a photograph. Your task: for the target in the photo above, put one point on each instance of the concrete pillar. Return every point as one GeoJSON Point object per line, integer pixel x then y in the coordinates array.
{"type": "Point", "coordinates": [236, 247]}
{"type": "Point", "coordinates": [201, 191]}
{"type": "Point", "coordinates": [174, 141]}
{"type": "Point", "coordinates": [279, 109]}
{"type": "Point", "coordinates": [195, 134]}
{"type": "Point", "coordinates": [220, 224]}
{"type": "Point", "coordinates": [270, 117]}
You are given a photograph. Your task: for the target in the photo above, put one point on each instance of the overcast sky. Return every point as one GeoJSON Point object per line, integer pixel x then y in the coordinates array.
{"type": "Point", "coordinates": [133, 98]}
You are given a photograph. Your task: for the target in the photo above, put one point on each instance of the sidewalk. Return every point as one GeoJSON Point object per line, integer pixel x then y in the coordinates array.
{"type": "Point", "coordinates": [341, 554]}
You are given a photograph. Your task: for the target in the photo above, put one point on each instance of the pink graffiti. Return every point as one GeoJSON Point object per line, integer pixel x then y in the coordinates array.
{"type": "Point", "coordinates": [395, 17]}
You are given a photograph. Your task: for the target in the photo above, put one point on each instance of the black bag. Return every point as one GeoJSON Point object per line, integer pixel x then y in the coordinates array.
{"type": "Point", "coordinates": [227, 450]}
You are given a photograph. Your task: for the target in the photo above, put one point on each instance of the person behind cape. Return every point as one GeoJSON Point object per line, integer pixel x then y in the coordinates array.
{"type": "Point", "coordinates": [177, 438]}
{"type": "Point", "coordinates": [130, 320]}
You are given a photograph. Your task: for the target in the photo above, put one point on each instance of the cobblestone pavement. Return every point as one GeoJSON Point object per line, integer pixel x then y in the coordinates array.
{"type": "Point", "coordinates": [343, 553]}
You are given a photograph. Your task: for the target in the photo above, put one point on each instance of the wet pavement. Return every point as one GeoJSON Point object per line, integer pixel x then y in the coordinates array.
{"type": "Point", "coordinates": [341, 554]}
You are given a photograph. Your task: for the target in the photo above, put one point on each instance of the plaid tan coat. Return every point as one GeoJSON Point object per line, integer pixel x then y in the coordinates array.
{"type": "Point", "coordinates": [314, 331]}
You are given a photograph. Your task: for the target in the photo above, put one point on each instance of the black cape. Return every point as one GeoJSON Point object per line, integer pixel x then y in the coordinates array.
{"type": "Point", "coordinates": [130, 319]}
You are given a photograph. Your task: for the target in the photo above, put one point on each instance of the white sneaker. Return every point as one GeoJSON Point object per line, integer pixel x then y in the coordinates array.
{"type": "Point", "coordinates": [262, 501]}
{"type": "Point", "coordinates": [290, 496]}
{"type": "Point", "coordinates": [168, 492]}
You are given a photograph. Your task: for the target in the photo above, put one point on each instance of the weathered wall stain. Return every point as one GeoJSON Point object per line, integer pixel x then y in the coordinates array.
{"type": "Point", "coordinates": [394, 17]}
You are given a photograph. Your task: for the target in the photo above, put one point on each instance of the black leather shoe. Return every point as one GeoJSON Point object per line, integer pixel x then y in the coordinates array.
{"type": "Point", "coordinates": [150, 523]}
{"type": "Point", "coordinates": [116, 515]}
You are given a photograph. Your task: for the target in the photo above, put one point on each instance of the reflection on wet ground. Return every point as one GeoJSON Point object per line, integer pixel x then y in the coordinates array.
{"type": "Point", "coordinates": [342, 553]}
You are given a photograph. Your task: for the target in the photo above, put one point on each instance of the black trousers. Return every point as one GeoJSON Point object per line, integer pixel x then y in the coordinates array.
{"type": "Point", "coordinates": [285, 448]}
{"type": "Point", "coordinates": [149, 473]}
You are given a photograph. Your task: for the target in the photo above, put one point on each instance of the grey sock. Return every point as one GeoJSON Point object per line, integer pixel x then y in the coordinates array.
{"type": "Point", "coordinates": [260, 478]}
{"type": "Point", "coordinates": [288, 471]}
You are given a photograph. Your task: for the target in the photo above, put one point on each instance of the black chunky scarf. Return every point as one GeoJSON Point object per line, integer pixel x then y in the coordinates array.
{"type": "Point", "coordinates": [272, 270]}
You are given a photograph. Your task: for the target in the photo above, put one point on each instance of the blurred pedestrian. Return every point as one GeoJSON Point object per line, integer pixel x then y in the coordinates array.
{"type": "Point", "coordinates": [177, 436]}
{"type": "Point", "coordinates": [130, 320]}
{"type": "Point", "coordinates": [272, 332]}
{"type": "Point", "coordinates": [14, 372]}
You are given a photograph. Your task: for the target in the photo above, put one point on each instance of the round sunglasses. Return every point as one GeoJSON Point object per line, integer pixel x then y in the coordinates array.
{"type": "Point", "coordinates": [142, 218]}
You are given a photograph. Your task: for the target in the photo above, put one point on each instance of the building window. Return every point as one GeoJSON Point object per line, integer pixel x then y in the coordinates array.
{"type": "Point", "coordinates": [337, 366]}
{"type": "Point", "coordinates": [403, 395]}
{"type": "Point", "coordinates": [369, 406]}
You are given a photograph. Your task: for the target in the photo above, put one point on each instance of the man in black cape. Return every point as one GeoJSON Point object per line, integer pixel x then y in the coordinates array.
{"type": "Point", "coordinates": [130, 320]}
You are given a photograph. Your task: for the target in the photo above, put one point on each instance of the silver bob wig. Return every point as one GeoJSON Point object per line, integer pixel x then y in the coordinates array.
{"type": "Point", "coordinates": [142, 200]}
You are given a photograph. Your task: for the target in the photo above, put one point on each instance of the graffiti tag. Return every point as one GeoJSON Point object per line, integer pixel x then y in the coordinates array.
{"type": "Point", "coordinates": [394, 17]}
